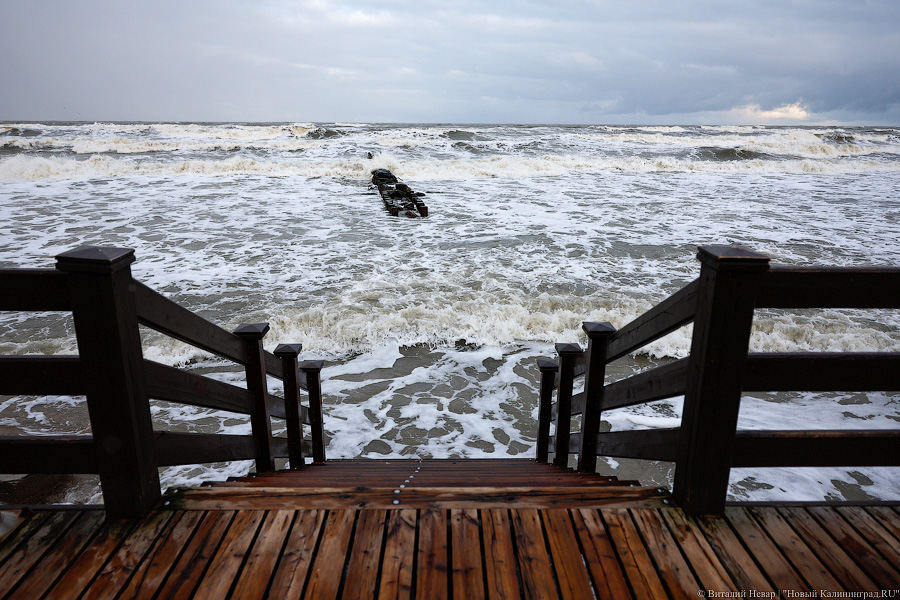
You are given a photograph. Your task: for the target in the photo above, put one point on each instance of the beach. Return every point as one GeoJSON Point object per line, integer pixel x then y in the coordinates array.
{"type": "Point", "coordinates": [430, 328]}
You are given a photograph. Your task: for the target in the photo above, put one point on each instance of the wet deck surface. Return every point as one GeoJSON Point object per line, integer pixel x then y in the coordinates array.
{"type": "Point", "coordinates": [280, 541]}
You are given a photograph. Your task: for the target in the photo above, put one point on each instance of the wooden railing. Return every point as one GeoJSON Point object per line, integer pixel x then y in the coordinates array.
{"type": "Point", "coordinates": [107, 305]}
{"type": "Point", "coordinates": [721, 302]}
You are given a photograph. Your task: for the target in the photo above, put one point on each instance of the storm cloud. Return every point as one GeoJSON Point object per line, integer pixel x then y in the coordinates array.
{"type": "Point", "coordinates": [568, 61]}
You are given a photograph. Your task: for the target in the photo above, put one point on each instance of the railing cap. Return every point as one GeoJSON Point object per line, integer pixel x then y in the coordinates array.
{"type": "Point", "coordinates": [252, 331]}
{"type": "Point", "coordinates": [594, 329]}
{"type": "Point", "coordinates": [732, 258]}
{"type": "Point", "coordinates": [547, 364]}
{"type": "Point", "coordinates": [97, 259]}
{"type": "Point", "coordinates": [288, 350]}
{"type": "Point", "coordinates": [568, 349]}
{"type": "Point", "coordinates": [311, 365]}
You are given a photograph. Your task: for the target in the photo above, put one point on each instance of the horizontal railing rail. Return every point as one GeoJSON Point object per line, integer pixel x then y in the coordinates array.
{"type": "Point", "coordinates": [721, 302]}
{"type": "Point", "coordinates": [107, 305]}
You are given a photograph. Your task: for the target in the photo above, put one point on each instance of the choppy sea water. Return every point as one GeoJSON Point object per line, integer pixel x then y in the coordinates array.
{"type": "Point", "coordinates": [430, 327]}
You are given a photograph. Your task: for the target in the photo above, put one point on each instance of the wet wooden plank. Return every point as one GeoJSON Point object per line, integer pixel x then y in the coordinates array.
{"type": "Point", "coordinates": [274, 498]}
{"type": "Point", "coordinates": [328, 566]}
{"type": "Point", "coordinates": [880, 538]}
{"type": "Point", "coordinates": [399, 554]}
{"type": "Point", "coordinates": [733, 555]}
{"type": "Point", "coordinates": [830, 553]}
{"type": "Point", "coordinates": [699, 553]}
{"type": "Point", "coordinates": [299, 551]}
{"type": "Point", "coordinates": [185, 575]}
{"type": "Point", "coordinates": [502, 580]}
{"type": "Point", "coordinates": [432, 572]}
{"type": "Point", "coordinates": [55, 562]}
{"type": "Point", "coordinates": [131, 554]}
{"type": "Point", "coordinates": [857, 546]}
{"type": "Point", "coordinates": [795, 549]}
{"type": "Point", "coordinates": [26, 527]}
{"type": "Point", "coordinates": [468, 574]}
{"type": "Point", "coordinates": [600, 556]}
{"type": "Point", "coordinates": [534, 560]}
{"type": "Point", "coordinates": [253, 581]}
{"type": "Point", "coordinates": [571, 572]}
{"type": "Point", "coordinates": [639, 568]}
{"type": "Point", "coordinates": [227, 562]}
{"type": "Point", "coordinates": [91, 559]}
{"type": "Point", "coordinates": [887, 518]}
{"type": "Point", "coordinates": [152, 573]}
{"type": "Point", "coordinates": [33, 548]}
{"type": "Point", "coordinates": [764, 552]}
{"type": "Point", "coordinates": [670, 563]}
{"type": "Point", "coordinates": [365, 556]}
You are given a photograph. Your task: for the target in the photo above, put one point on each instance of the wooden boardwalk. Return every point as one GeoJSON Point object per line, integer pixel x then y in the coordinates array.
{"type": "Point", "coordinates": [456, 531]}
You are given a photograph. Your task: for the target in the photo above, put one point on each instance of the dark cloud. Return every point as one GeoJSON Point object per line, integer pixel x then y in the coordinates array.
{"type": "Point", "coordinates": [514, 61]}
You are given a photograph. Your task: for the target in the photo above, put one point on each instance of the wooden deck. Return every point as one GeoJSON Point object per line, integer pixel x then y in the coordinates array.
{"type": "Point", "coordinates": [456, 531]}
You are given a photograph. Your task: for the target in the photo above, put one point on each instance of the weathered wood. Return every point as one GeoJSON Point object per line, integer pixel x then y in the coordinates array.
{"type": "Point", "coordinates": [252, 335]}
{"type": "Point", "coordinates": [548, 368]}
{"type": "Point", "coordinates": [699, 554]}
{"type": "Point", "coordinates": [253, 581]}
{"type": "Point", "coordinates": [298, 555]}
{"type": "Point", "coordinates": [846, 447]}
{"type": "Point", "coordinates": [31, 550]}
{"type": "Point", "coordinates": [675, 311]}
{"type": "Point", "coordinates": [733, 555]}
{"type": "Point", "coordinates": [310, 370]}
{"type": "Point", "coordinates": [432, 558]}
{"type": "Point", "coordinates": [501, 579]}
{"type": "Point", "coordinates": [670, 562]}
{"type": "Point", "coordinates": [269, 498]}
{"type": "Point", "coordinates": [829, 287]}
{"type": "Point", "coordinates": [292, 410]}
{"type": "Point", "coordinates": [724, 314]}
{"type": "Point", "coordinates": [600, 555]}
{"type": "Point", "coordinates": [823, 372]}
{"type": "Point", "coordinates": [158, 312]}
{"type": "Point", "coordinates": [468, 574]}
{"type": "Point", "coordinates": [364, 562]}
{"type": "Point", "coordinates": [599, 335]}
{"type": "Point", "coordinates": [34, 289]}
{"type": "Point", "coordinates": [41, 375]}
{"type": "Point", "coordinates": [534, 559]}
{"type": "Point", "coordinates": [48, 454]}
{"type": "Point", "coordinates": [638, 566]}
{"type": "Point", "coordinates": [325, 576]}
{"type": "Point", "coordinates": [764, 551]}
{"type": "Point", "coordinates": [151, 572]}
{"type": "Point", "coordinates": [399, 554]}
{"type": "Point", "coordinates": [832, 556]}
{"type": "Point", "coordinates": [109, 346]}
{"type": "Point", "coordinates": [228, 559]}
{"type": "Point", "coordinates": [571, 572]}
{"type": "Point", "coordinates": [567, 356]}
{"type": "Point", "coordinates": [130, 558]}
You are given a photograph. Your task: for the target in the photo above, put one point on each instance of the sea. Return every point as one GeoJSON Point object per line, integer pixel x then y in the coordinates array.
{"type": "Point", "coordinates": [430, 328]}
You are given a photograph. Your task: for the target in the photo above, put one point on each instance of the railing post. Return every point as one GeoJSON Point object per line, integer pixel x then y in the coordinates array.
{"type": "Point", "coordinates": [725, 302]}
{"type": "Point", "coordinates": [261, 424]}
{"type": "Point", "coordinates": [568, 353]}
{"type": "Point", "coordinates": [311, 369]}
{"type": "Point", "coordinates": [109, 348]}
{"type": "Point", "coordinates": [595, 375]}
{"type": "Point", "coordinates": [548, 369]}
{"type": "Point", "coordinates": [288, 354]}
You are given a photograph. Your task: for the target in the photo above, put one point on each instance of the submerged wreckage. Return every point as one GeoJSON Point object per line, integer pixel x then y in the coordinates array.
{"type": "Point", "coordinates": [398, 198]}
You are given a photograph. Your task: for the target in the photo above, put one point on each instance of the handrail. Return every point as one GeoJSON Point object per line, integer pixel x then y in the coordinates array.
{"type": "Point", "coordinates": [107, 304]}
{"type": "Point", "coordinates": [733, 282]}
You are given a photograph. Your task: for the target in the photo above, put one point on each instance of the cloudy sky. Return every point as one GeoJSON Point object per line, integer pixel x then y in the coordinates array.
{"type": "Point", "coordinates": [502, 61]}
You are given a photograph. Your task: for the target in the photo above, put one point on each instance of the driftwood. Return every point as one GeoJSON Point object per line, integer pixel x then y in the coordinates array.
{"type": "Point", "coordinates": [398, 198]}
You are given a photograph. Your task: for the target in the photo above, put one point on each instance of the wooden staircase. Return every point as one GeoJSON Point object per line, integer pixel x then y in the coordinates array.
{"type": "Point", "coordinates": [422, 484]}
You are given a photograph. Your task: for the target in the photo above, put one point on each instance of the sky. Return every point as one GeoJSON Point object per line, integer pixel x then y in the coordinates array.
{"type": "Point", "coordinates": [453, 61]}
